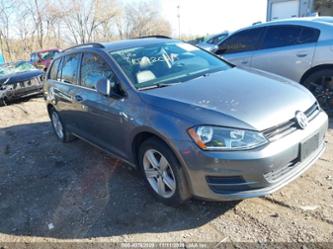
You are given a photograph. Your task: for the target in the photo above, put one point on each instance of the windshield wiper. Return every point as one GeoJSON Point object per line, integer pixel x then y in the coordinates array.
{"type": "Point", "coordinates": [158, 85]}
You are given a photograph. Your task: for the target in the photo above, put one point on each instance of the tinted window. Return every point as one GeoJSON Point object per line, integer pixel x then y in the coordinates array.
{"type": "Point", "coordinates": [309, 35]}
{"type": "Point", "coordinates": [280, 36]}
{"type": "Point", "coordinates": [93, 69]}
{"type": "Point", "coordinates": [54, 70]}
{"type": "Point", "coordinates": [69, 68]}
{"type": "Point", "coordinates": [240, 42]}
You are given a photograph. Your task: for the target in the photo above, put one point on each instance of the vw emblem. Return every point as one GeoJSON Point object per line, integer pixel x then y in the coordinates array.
{"type": "Point", "coordinates": [302, 119]}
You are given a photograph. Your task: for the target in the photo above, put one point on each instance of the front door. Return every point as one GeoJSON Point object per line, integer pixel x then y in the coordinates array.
{"type": "Point", "coordinates": [101, 118]}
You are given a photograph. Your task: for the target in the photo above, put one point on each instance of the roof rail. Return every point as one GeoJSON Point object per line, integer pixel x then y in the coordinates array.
{"type": "Point", "coordinates": [153, 36]}
{"type": "Point", "coordinates": [91, 44]}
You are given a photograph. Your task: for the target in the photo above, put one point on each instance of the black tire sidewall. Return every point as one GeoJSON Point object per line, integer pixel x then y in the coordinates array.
{"type": "Point", "coordinates": [181, 194]}
{"type": "Point", "coordinates": [312, 77]}
{"type": "Point", "coordinates": [317, 74]}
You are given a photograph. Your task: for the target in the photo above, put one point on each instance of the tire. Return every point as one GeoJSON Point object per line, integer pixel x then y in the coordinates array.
{"type": "Point", "coordinates": [173, 177]}
{"type": "Point", "coordinates": [59, 127]}
{"type": "Point", "coordinates": [3, 101]}
{"type": "Point", "coordinates": [320, 83]}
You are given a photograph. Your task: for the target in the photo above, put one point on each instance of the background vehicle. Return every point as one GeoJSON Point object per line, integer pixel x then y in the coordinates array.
{"type": "Point", "coordinates": [298, 49]}
{"type": "Point", "coordinates": [18, 80]}
{"type": "Point", "coordinates": [42, 59]}
{"type": "Point", "coordinates": [192, 123]}
{"type": "Point", "coordinates": [212, 42]}
{"type": "Point", "coordinates": [197, 40]}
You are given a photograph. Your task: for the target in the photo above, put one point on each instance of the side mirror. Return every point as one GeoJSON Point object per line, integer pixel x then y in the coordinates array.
{"type": "Point", "coordinates": [104, 86]}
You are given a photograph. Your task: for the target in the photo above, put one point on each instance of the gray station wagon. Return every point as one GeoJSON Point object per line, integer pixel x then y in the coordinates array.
{"type": "Point", "coordinates": [193, 124]}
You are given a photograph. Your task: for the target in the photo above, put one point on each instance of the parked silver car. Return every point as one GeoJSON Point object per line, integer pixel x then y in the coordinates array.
{"type": "Point", "coordinates": [300, 49]}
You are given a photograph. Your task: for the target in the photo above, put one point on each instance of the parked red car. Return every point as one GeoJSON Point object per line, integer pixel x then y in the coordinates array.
{"type": "Point", "coordinates": [42, 59]}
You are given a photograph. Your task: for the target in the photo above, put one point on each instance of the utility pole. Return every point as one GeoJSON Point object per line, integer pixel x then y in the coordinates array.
{"type": "Point", "coordinates": [178, 16]}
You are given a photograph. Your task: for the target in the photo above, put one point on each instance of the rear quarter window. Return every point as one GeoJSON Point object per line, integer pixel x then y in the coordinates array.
{"type": "Point", "coordinates": [53, 75]}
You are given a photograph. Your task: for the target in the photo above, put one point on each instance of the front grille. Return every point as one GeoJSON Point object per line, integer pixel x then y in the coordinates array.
{"type": "Point", "coordinates": [290, 126]}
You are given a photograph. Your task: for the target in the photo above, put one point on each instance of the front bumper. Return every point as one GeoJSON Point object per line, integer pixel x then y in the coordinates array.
{"type": "Point", "coordinates": [245, 174]}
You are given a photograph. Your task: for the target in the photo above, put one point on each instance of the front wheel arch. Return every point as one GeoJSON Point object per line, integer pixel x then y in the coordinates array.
{"type": "Point", "coordinates": [182, 192]}
{"type": "Point", "coordinates": [141, 137]}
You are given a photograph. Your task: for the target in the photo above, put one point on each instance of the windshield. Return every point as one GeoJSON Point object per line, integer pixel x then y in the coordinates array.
{"type": "Point", "coordinates": [169, 62]}
{"type": "Point", "coordinates": [17, 67]}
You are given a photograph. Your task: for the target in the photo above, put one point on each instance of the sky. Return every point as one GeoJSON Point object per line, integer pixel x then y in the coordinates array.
{"type": "Point", "coordinates": [201, 17]}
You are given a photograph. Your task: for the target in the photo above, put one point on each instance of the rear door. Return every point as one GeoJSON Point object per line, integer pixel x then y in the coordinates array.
{"type": "Point", "coordinates": [64, 76]}
{"type": "Point", "coordinates": [239, 47]}
{"type": "Point", "coordinates": [286, 50]}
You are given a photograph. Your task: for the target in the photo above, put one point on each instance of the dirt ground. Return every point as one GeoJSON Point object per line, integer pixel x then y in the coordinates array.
{"type": "Point", "coordinates": [51, 191]}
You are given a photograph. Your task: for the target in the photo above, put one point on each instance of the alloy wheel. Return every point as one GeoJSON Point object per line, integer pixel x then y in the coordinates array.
{"type": "Point", "coordinates": [159, 173]}
{"type": "Point", "coordinates": [57, 125]}
{"type": "Point", "coordinates": [322, 89]}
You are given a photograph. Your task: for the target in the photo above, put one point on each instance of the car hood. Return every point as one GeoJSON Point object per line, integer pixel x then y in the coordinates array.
{"type": "Point", "coordinates": [20, 76]}
{"type": "Point", "coordinates": [242, 98]}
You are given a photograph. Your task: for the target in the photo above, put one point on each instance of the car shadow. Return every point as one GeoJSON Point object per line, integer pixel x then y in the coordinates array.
{"type": "Point", "coordinates": [23, 99]}
{"type": "Point", "coordinates": [73, 190]}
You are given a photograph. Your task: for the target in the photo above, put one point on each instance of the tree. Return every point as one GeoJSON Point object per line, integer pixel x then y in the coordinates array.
{"type": "Point", "coordinates": [85, 19]}
{"type": "Point", "coordinates": [6, 13]}
{"type": "Point", "coordinates": [28, 25]}
{"type": "Point", "coordinates": [142, 19]}
{"type": "Point", "coordinates": [324, 7]}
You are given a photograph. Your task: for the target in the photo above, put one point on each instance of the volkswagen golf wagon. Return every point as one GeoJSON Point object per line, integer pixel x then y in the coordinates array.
{"type": "Point", "coordinates": [192, 123]}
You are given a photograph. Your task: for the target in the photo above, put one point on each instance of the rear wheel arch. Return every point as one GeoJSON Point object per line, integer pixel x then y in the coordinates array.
{"type": "Point", "coordinates": [315, 69]}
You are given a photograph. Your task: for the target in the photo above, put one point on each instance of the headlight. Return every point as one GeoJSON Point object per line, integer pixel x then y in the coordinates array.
{"type": "Point", "coordinates": [219, 138]}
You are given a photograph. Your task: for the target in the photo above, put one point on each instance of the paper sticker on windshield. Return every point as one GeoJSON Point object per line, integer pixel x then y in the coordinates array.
{"type": "Point", "coordinates": [187, 47]}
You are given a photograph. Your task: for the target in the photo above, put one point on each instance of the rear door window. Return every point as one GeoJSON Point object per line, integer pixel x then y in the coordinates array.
{"type": "Point", "coordinates": [93, 69]}
{"type": "Point", "coordinates": [70, 68]}
{"type": "Point", "coordinates": [242, 41]}
{"type": "Point", "coordinates": [309, 35]}
{"type": "Point", "coordinates": [281, 36]}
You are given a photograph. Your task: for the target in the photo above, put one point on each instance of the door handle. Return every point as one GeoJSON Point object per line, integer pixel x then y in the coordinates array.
{"type": "Point", "coordinates": [78, 98]}
{"type": "Point", "coordinates": [302, 55]}
{"type": "Point", "coordinates": [244, 62]}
